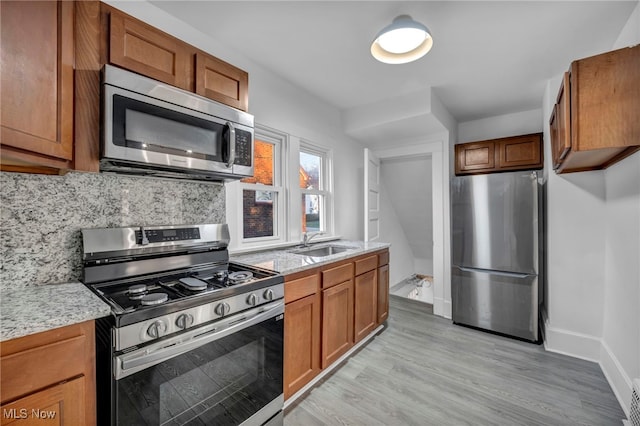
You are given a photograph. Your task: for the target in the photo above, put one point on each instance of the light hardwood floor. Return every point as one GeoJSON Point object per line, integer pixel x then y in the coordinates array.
{"type": "Point", "coordinates": [423, 370]}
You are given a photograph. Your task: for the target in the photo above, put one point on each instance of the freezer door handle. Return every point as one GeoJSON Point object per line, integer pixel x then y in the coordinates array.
{"type": "Point", "coordinates": [501, 273]}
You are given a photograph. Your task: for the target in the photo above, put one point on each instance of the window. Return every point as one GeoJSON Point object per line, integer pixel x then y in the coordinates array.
{"type": "Point", "coordinates": [262, 196]}
{"type": "Point", "coordinates": [314, 187]}
{"type": "Point", "coordinates": [289, 194]}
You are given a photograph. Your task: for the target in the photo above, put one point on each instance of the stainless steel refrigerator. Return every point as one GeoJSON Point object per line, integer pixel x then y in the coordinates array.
{"type": "Point", "coordinates": [496, 276]}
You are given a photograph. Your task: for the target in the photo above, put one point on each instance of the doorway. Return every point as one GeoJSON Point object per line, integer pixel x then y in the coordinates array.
{"type": "Point", "coordinates": [406, 217]}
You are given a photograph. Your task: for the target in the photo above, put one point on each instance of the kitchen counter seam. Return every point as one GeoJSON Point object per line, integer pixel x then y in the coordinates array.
{"type": "Point", "coordinates": [35, 309]}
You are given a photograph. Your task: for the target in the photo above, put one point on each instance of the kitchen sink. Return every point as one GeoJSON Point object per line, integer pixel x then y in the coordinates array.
{"type": "Point", "coordinates": [322, 251]}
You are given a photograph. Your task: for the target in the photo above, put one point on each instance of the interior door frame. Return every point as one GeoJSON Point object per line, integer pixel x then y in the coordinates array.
{"type": "Point", "coordinates": [441, 214]}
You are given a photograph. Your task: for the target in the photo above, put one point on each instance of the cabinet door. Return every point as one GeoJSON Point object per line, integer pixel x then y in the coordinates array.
{"type": "Point", "coordinates": [62, 404]}
{"type": "Point", "coordinates": [366, 304]}
{"type": "Point", "coordinates": [477, 156]}
{"type": "Point", "coordinates": [141, 48]}
{"type": "Point", "coordinates": [520, 152]}
{"type": "Point", "coordinates": [37, 78]}
{"type": "Point", "coordinates": [301, 343]}
{"type": "Point", "coordinates": [337, 321]}
{"type": "Point", "coordinates": [383, 293]}
{"type": "Point", "coordinates": [561, 124]}
{"type": "Point", "coordinates": [222, 82]}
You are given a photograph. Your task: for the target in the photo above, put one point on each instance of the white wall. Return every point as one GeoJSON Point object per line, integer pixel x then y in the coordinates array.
{"type": "Point", "coordinates": [517, 123]}
{"type": "Point", "coordinates": [620, 352]}
{"type": "Point", "coordinates": [278, 104]}
{"type": "Point", "coordinates": [594, 257]}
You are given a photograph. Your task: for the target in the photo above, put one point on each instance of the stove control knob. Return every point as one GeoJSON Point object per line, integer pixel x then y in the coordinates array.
{"type": "Point", "coordinates": [223, 309]}
{"type": "Point", "coordinates": [252, 299]}
{"type": "Point", "coordinates": [156, 329]}
{"type": "Point", "coordinates": [184, 321]}
{"type": "Point", "coordinates": [268, 294]}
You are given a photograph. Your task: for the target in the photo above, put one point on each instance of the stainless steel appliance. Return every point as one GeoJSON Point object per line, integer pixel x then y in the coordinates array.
{"type": "Point", "coordinates": [496, 252]}
{"type": "Point", "coordinates": [155, 129]}
{"type": "Point", "coordinates": [192, 339]}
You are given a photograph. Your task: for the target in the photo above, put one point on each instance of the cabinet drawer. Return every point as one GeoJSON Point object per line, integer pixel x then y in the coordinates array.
{"type": "Point", "coordinates": [367, 264]}
{"type": "Point", "coordinates": [297, 289]}
{"type": "Point", "coordinates": [383, 258]}
{"type": "Point", "coordinates": [32, 369]}
{"type": "Point", "coordinates": [337, 275]}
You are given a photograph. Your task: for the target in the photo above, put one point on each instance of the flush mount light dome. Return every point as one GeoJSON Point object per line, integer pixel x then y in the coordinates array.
{"type": "Point", "coordinates": [405, 40]}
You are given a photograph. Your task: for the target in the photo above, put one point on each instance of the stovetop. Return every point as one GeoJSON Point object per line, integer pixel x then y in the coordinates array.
{"type": "Point", "coordinates": [151, 292]}
{"type": "Point", "coordinates": [152, 274]}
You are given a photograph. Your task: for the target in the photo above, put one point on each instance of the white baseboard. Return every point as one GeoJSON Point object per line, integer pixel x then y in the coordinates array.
{"type": "Point", "coordinates": [446, 309]}
{"type": "Point", "coordinates": [616, 376]}
{"type": "Point", "coordinates": [573, 344]}
{"type": "Point", "coordinates": [592, 349]}
{"type": "Point", "coordinates": [438, 306]}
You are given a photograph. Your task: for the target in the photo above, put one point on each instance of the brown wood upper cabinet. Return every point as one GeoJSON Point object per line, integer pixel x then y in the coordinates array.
{"type": "Point", "coordinates": [594, 122]}
{"type": "Point", "coordinates": [141, 48]}
{"type": "Point", "coordinates": [499, 155]}
{"type": "Point", "coordinates": [36, 59]}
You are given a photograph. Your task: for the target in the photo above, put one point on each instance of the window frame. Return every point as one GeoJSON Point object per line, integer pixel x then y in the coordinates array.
{"type": "Point", "coordinates": [325, 182]}
{"type": "Point", "coordinates": [280, 142]}
{"type": "Point", "coordinates": [287, 185]}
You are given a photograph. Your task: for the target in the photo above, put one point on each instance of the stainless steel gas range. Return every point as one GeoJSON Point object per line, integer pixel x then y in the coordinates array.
{"type": "Point", "coordinates": [192, 339]}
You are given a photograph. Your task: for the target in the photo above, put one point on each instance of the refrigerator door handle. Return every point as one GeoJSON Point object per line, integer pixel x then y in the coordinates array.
{"type": "Point", "coordinates": [502, 273]}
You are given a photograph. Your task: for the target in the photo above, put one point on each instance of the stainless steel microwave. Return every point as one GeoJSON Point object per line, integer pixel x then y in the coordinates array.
{"type": "Point", "coordinates": [151, 128]}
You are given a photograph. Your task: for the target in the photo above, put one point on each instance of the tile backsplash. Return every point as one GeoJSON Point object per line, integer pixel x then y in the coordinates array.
{"type": "Point", "coordinates": [41, 217]}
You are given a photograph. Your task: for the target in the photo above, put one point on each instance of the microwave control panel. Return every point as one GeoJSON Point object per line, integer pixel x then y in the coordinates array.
{"type": "Point", "coordinates": [243, 148]}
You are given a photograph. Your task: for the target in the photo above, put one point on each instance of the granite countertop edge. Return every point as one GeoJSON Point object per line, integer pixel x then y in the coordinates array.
{"type": "Point", "coordinates": [38, 308]}
{"type": "Point", "coordinates": [283, 261]}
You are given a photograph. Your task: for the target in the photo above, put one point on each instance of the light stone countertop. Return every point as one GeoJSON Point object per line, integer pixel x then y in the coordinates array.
{"type": "Point", "coordinates": [282, 260]}
{"type": "Point", "coordinates": [26, 310]}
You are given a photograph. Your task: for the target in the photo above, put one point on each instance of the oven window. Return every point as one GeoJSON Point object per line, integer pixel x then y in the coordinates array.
{"type": "Point", "coordinates": [221, 383]}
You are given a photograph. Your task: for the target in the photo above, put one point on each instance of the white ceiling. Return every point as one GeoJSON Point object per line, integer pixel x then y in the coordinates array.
{"type": "Point", "coordinates": [488, 58]}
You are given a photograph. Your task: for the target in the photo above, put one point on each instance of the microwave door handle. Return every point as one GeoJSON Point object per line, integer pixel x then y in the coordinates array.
{"type": "Point", "coordinates": [231, 141]}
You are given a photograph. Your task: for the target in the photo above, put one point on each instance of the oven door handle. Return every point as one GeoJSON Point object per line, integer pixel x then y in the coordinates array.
{"type": "Point", "coordinates": [132, 362]}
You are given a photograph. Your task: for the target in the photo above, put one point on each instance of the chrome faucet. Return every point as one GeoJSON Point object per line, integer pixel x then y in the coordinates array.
{"type": "Point", "coordinates": [306, 238]}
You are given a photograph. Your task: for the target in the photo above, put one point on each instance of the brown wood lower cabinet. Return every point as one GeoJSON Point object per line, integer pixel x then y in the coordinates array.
{"type": "Point", "coordinates": [337, 321]}
{"type": "Point", "coordinates": [366, 304]}
{"type": "Point", "coordinates": [57, 405]}
{"type": "Point", "coordinates": [383, 293]}
{"type": "Point", "coordinates": [328, 309]}
{"type": "Point", "coordinates": [301, 343]}
{"type": "Point", "coordinates": [50, 374]}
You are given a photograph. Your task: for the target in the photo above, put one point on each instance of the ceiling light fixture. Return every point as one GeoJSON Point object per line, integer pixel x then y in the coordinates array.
{"type": "Point", "coordinates": [405, 40]}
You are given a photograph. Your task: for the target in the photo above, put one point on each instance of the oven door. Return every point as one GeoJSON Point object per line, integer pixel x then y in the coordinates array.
{"type": "Point", "coordinates": [224, 373]}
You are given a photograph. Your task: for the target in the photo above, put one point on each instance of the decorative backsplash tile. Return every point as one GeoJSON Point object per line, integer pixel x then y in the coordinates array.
{"type": "Point", "coordinates": [41, 217]}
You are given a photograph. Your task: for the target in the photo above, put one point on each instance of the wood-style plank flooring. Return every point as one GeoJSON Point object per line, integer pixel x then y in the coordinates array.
{"type": "Point", "coordinates": [423, 370]}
